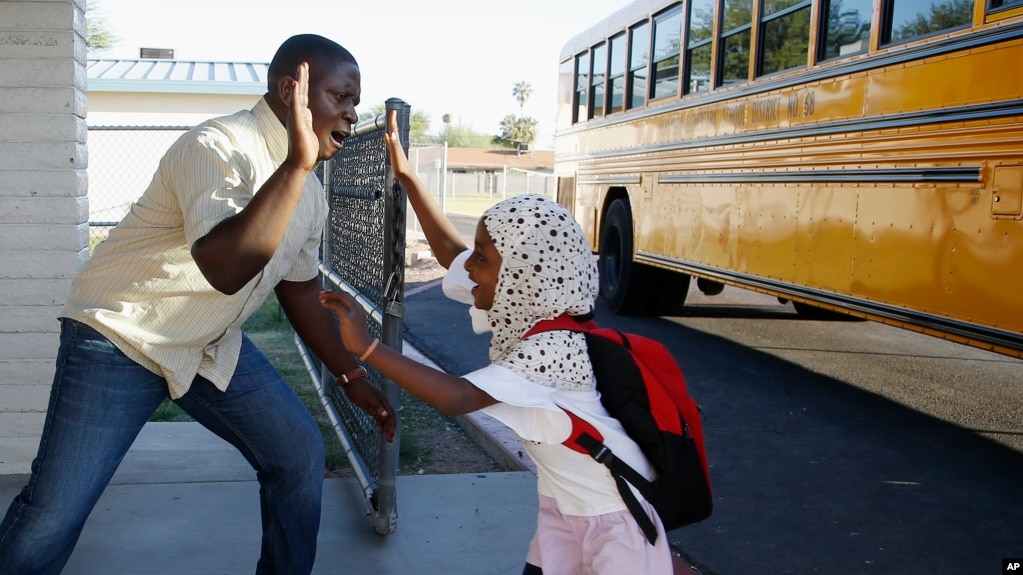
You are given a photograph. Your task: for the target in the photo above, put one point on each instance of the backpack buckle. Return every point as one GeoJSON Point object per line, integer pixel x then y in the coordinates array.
{"type": "Point", "coordinates": [604, 455]}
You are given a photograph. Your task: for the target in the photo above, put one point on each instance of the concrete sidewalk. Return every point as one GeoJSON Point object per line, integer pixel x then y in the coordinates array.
{"type": "Point", "coordinates": [185, 502]}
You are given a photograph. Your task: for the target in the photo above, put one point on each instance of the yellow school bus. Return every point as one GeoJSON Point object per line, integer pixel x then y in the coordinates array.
{"type": "Point", "coordinates": [854, 156]}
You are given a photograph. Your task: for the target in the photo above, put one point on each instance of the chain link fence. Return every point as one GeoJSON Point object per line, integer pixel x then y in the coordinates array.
{"type": "Point", "coordinates": [122, 161]}
{"type": "Point", "coordinates": [466, 189]}
{"type": "Point", "coordinates": [363, 252]}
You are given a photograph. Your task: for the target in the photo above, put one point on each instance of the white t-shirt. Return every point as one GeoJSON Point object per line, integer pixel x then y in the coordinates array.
{"type": "Point", "coordinates": [580, 485]}
{"type": "Point", "coordinates": [535, 412]}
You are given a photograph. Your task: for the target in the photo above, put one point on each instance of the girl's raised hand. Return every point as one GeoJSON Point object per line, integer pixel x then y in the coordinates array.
{"type": "Point", "coordinates": [351, 318]}
{"type": "Point", "coordinates": [399, 161]}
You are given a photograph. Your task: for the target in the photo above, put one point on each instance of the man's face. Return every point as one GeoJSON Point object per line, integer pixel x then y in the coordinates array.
{"type": "Point", "coordinates": [334, 91]}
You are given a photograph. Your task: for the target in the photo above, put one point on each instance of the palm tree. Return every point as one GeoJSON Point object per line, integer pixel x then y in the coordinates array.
{"type": "Point", "coordinates": [522, 91]}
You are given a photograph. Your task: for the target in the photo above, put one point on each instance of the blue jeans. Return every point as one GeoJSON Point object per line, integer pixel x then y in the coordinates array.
{"type": "Point", "coordinates": [99, 402]}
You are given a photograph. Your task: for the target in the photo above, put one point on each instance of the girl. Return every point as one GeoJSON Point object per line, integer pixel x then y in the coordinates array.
{"type": "Point", "coordinates": [530, 262]}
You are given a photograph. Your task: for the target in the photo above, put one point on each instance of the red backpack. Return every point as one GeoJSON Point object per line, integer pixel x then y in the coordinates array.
{"type": "Point", "coordinates": [642, 387]}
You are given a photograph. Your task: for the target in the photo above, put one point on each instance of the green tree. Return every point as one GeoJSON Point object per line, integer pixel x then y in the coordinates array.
{"type": "Point", "coordinates": [522, 91]}
{"type": "Point", "coordinates": [458, 136]}
{"type": "Point", "coordinates": [98, 35]}
{"type": "Point", "coordinates": [521, 130]}
{"type": "Point", "coordinates": [419, 122]}
{"type": "Point", "coordinates": [515, 131]}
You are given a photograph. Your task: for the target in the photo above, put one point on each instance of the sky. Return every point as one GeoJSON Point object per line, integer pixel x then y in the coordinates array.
{"type": "Point", "coordinates": [457, 57]}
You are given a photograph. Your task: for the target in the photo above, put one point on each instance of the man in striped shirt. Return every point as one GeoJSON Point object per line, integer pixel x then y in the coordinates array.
{"type": "Point", "coordinates": [233, 212]}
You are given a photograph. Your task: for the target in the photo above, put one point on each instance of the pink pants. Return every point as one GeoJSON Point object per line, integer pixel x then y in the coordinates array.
{"type": "Point", "coordinates": [609, 544]}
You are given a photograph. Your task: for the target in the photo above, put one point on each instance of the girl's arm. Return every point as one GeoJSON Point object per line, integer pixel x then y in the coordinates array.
{"type": "Point", "coordinates": [446, 393]}
{"type": "Point", "coordinates": [444, 239]}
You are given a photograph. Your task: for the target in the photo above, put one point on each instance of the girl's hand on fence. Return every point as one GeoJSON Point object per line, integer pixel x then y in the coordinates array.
{"type": "Point", "coordinates": [351, 318]}
{"type": "Point", "coordinates": [399, 161]}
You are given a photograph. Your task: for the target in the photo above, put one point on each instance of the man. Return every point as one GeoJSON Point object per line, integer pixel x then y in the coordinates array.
{"type": "Point", "coordinates": [233, 211]}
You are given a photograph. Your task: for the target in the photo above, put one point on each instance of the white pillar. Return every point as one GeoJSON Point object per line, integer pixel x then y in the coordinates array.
{"type": "Point", "coordinates": [44, 211]}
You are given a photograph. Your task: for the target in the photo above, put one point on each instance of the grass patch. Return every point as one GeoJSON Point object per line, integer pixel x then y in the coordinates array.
{"type": "Point", "coordinates": [269, 329]}
{"type": "Point", "coordinates": [271, 332]}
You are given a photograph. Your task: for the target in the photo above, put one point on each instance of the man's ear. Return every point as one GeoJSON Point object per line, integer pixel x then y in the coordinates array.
{"type": "Point", "coordinates": [285, 88]}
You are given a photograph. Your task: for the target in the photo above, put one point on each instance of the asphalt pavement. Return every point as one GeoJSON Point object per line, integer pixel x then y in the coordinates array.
{"type": "Point", "coordinates": [812, 474]}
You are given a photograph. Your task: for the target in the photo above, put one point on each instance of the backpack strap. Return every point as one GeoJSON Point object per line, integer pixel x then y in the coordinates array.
{"type": "Point", "coordinates": [563, 322]}
{"type": "Point", "coordinates": [585, 438]}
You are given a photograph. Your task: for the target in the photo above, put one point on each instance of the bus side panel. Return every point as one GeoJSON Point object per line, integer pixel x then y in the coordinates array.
{"type": "Point", "coordinates": [768, 224]}
{"type": "Point", "coordinates": [825, 237]}
{"type": "Point", "coordinates": [986, 263]}
{"type": "Point", "coordinates": [901, 251]}
{"type": "Point", "coordinates": [987, 74]}
{"type": "Point", "coordinates": [704, 228]}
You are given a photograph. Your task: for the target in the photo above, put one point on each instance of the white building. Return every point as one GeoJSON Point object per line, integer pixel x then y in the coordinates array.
{"type": "Point", "coordinates": [48, 93]}
{"type": "Point", "coordinates": [158, 92]}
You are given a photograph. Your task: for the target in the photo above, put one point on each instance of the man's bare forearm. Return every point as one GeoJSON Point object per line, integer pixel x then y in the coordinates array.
{"type": "Point", "coordinates": [239, 247]}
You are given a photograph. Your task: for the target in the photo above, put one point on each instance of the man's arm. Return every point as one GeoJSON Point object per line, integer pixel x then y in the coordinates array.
{"type": "Point", "coordinates": [449, 394]}
{"type": "Point", "coordinates": [319, 330]}
{"type": "Point", "coordinates": [238, 248]}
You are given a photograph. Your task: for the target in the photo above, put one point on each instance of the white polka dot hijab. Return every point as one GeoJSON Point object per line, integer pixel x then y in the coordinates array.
{"type": "Point", "coordinates": [547, 269]}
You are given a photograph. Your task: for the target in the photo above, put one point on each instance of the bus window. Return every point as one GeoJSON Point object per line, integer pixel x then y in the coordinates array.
{"type": "Point", "coordinates": [736, 24]}
{"type": "Point", "coordinates": [639, 53]}
{"type": "Point", "coordinates": [597, 87]}
{"type": "Point", "coordinates": [698, 49]}
{"type": "Point", "coordinates": [616, 74]}
{"type": "Point", "coordinates": [1001, 4]}
{"type": "Point", "coordinates": [784, 35]}
{"type": "Point", "coordinates": [848, 28]}
{"type": "Point", "coordinates": [667, 43]}
{"type": "Point", "coordinates": [582, 87]}
{"type": "Point", "coordinates": [909, 19]}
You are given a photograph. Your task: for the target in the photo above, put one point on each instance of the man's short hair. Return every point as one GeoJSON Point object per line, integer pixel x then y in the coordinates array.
{"type": "Point", "coordinates": [305, 48]}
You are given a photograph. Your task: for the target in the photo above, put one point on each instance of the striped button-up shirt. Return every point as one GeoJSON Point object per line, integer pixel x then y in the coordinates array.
{"type": "Point", "coordinates": [142, 289]}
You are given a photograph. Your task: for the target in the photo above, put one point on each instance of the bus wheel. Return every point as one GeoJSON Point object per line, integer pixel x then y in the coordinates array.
{"type": "Point", "coordinates": [669, 291]}
{"type": "Point", "coordinates": [623, 283]}
{"type": "Point", "coordinates": [709, 287]}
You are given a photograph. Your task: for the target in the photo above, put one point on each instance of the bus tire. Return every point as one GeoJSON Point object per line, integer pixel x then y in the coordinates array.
{"type": "Point", "coordinates": [624, 285]}
{"type": "Point", "coordinates": [669, 291]}
{"type": "Point", "coordinates": [709, 287]}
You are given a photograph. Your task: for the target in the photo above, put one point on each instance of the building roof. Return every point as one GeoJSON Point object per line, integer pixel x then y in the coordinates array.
{"type": "Point", "coordinates": [497, 159]}
{"type": "Point", "coordinates": [176, 76]}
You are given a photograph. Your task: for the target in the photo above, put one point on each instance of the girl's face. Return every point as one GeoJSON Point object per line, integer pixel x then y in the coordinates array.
{"type": "Point", "coordinates": [483, 266]}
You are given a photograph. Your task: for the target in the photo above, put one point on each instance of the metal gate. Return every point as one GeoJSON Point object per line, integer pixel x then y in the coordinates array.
{"type": "Point", "coordinates": [363, 253]}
